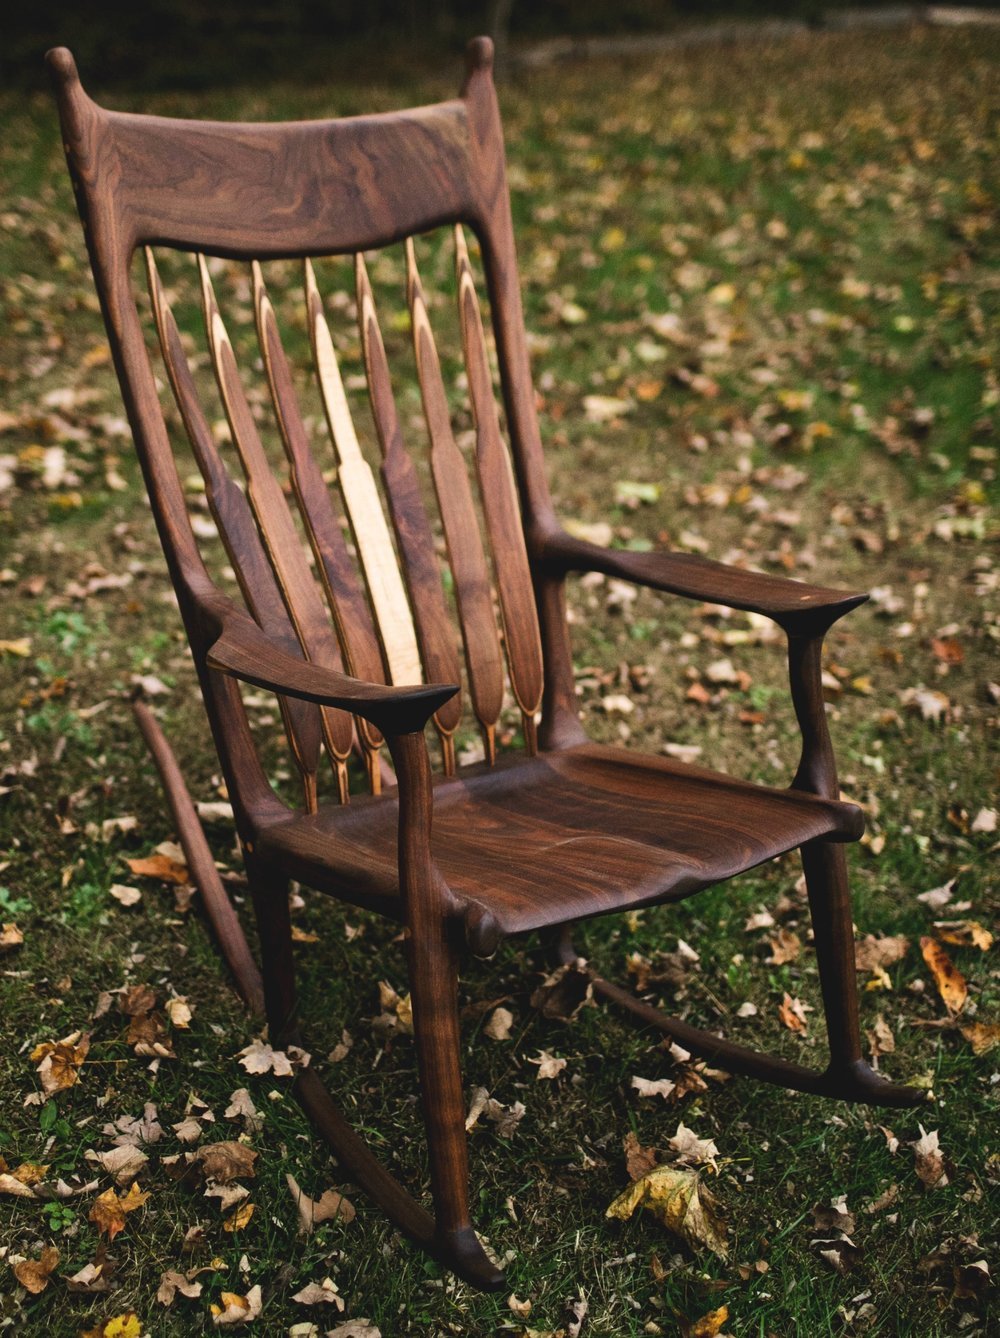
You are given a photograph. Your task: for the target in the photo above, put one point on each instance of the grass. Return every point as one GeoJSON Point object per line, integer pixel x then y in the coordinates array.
{"type": "Point", "coordinates": [819, 215]}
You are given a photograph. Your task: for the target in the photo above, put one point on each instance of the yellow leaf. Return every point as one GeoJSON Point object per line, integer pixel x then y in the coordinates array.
{"type": "Point", "coordinates": [123, 1326]}
{"type": "Point", "coordinates": [20, 646]}
{"type": "Point", "coordinates": [709, 1325]}
{"type": "Point", "coordinates": [109, 1211]}
{"type": "Point", "coordinates": [240, 1218]}
{"type": "Point", "coordinates": [677, 1198]}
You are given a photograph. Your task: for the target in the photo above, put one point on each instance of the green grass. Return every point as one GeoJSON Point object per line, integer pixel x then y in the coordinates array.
{"type": "Point", "coordinates": [820, 215]}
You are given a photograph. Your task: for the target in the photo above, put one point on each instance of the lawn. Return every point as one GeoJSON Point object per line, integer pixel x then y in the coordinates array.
{"type": "Point", "coordinates": [762, 290]}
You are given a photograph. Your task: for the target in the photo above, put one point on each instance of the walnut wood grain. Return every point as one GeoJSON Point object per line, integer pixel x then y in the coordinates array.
{"type": "Point", "coordinates": [500, 507]}
{"type": "Point", "coordinates": [277, 529]}
{"type": "Point", "coordinates": [435, 633]}
{"type": "Point", "coordinates": [237, 530]}
{"type": "Point", "coordinates": [473, 588]}
{"type": "Point", "coordinates": [352, 617]}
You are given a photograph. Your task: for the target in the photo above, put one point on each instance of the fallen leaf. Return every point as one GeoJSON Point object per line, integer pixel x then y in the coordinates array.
{"type": "Point", "coordinates": [793, 1013]}
{"type": "Point", "coordinates": [109, 1211]}
{"type": "Point", "coordinates": [709, 1326]}
{"type": "Point", "coordinates": [498, 1026]}
{"type": "Point", "coordinates": [128, 1325]}
{"type": "Point", "coordinates": [964, 934]}
{"type": "Point", "coordinates": [984, 821]}
{"type": "Point", "coordinates": [331, 1204]}
{"type": "Point", "coordinates": [127, 896]}
{"type": "Point", "coordinates": [564, 993]}
{"type": "Point", "coordinates": [33, 1274]}
{"type": "Point", "coordinates": [179, 1012]}
{"type": "Point", "coordinates": [876, 952]}
{"type": "Point", "coordinates": [171, 1283]}
{"type": "Point", "coordinates": [9, 1184]}
{"type": "Point", "coordinates": [951, 984]}
{"type": "Point", "coordinates": [136, 1000]}
{"type": "Point", "coordinates": [785, 947]}
{"type": "Point", "coordinates": [241, 1106]}
{"type": "Point", "coordinates": [163, 867]}
{"type": "Point", "coordinates": [59, 1062]}
{"type": "Point", "coordinates": [520, 1308]}
{"type": "Point", "coordinates": [652, 1086]}
{"type": "Point", "coordinates": [638, 1160]}
{"type": "Point", "coordinates": [236, 1309]}
{"type": "Point", "coordinates": [123, 1162]}
{"type": "Point", "coordinates": [982, 1036]}
{"type": "Point", "coordinates": [677, 1198]}
{"type": "Point", "coordinates": [10, 937]}
{"type": "Point", "coordinates": [91, 1280]}
{"type": "Point", "coordinates": [320, 1293]}
{"type": "Point", "coordinates": [549, 1066]}
{"type": "Point", "coordinates": [355, 1328]}
{"type": "Point", "coordinates": [506, 1118]}
{"type": "Point", "coordinates": [929, 1160]}
{"type": "Point", "coordinates": [259, 1057]}
{"type": "Point", "coordinates": [691, 1150]}
{"type": "Point", "coordinates": [228, 1195]}
{"type": "Point", "coordinates": [833, 1217]}
{"type": "Point", "coordinates": [227, 1161]}
{"type": "Point", "coordinates": [240, 1218]}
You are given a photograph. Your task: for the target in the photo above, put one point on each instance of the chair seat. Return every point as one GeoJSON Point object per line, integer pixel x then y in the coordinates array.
{"type": "Point", "coordinates": [542, 841]}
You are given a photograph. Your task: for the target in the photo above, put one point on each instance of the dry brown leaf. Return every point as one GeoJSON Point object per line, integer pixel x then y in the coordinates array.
{"type": "Point", "coordinates": [228, 1195]}
{"type": "Point", "coordinates": [179, 1012]}
{"type": "Point", "coordinates": [330, 1204]}
{"type": "Point", "coordinates": [164, 868]}
{"type": "Point", "coordinates": [9, 1184]}
{"type": "Point", "coordinates": [929, 1160]}
{"type": "Point", "coordinates": [652, 1086]}
{"type": "Point", "coordinates": [109, 1211]}
{"type": "Point", "coordinates": [123, 1162]}
{"type": "Point", "coordinates": [876, 952]}
{"type": "Point", "coordinates": [320, 1293]}
{"type": "Point", "coordinates": [506, 1118]}
{"type": "Point", "coordinates": [125, 895]}
{"type": "Point", "coordinates": [259, 1057]}
{"type": "Point", "coordinates": [982, 1036]}
{"type": "Point", "coordinates": [639, 1161]}
{"type": "Point", "coordinates": [951, 984]}
{"type": "Point", "coordinates": [678, 1199]}
{"type": "Point", "coordinates": [355, 1328]}
{"type": "Point", "coordinates": [785, 947]}
{"type": "Point", "coordinates": [793, 1014]}
{"type": "Point", "coordinates": [137, 1000]}
{"type": "Point", "coordinates": [236, 1309]}
{"type": "Point", "coordinates": [835, 1217]}
{"type": "Point", "coordinates": [34, 1274]}
{"type": "Point", "coordinates": [92, 1279]}
{"type": "Point", "coordinates": [240, 1218]}
{"type": "Point", "coordinates": [241, 1106]}
{"type": "Point", "coordinates": [10, 937]}
{"type": "Point", "coordinates": [549, 1066]}
{"type": "Point", "coordinates": [564, 993]}
{"type": "Point", "coordinates": [227, 1161]}
{"type": "Point", "coordinates": [498, 1026]}
{"type": "Point", "coordinates": [690, 1150]}
{"type": "Point", "coordinates": [59, 1062]}
{"type": "Point", "coordinates": [171, 1283]}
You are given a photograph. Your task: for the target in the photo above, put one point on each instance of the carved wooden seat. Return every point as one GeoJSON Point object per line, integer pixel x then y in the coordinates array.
{"type": "Point", "coordinates": [365, 637]}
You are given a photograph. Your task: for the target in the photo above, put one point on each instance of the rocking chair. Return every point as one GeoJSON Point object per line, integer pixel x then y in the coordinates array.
{"type": "Point", "coordinates": [361, 648]}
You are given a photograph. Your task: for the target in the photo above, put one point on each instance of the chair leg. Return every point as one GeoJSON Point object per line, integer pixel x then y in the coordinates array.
{"type": "Point", "coordinates": [824, 864]}
{"type": "Point", "coordinates": [433, 961]}
{"type": "Point", "coordinates": [274, 926]}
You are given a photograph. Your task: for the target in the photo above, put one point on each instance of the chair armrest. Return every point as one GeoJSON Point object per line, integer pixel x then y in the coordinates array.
{"type": "Point", "coordinates": [244, 651]}
{"type": "Point", "coordinates": [797, 607]}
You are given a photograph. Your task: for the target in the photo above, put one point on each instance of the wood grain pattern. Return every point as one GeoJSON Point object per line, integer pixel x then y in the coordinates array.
{"type": "Point", "coordinates": [435, 633]}
{"type": "Point", "coordinates": [237, 530]}
{"type": "Point", "coordinates": [473, 589]}
{"type": "Point", "coordinates": [363, 504]}
{"type": "Point", "coordinates": [500, 507]}
{"type": "Point", "coordinates": [277, 529]}
{"type": "Point", "coordinates": [352, 617]}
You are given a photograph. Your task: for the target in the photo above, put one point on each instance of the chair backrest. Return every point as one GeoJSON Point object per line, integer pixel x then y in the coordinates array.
{"type": "Point", "coordinates": [264, 192]}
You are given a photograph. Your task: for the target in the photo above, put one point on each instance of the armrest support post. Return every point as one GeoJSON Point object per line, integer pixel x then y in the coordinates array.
{"type": "Point", "coordinates": [817, 769]}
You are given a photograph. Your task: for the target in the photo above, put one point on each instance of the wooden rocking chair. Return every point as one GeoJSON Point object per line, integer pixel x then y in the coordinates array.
{"type": "Point", "coordinates": [531, 840]}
